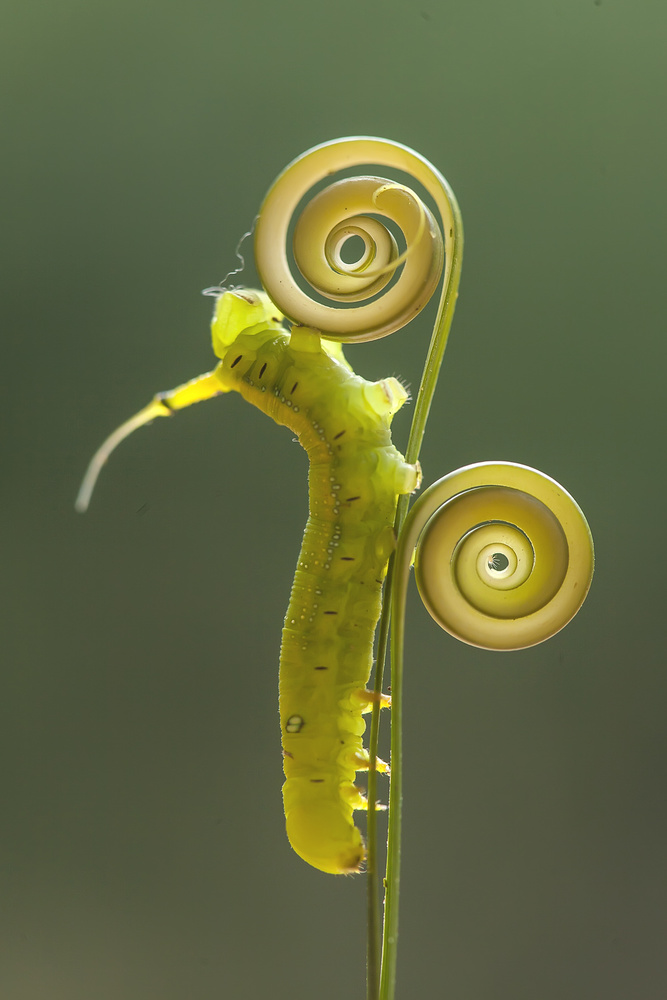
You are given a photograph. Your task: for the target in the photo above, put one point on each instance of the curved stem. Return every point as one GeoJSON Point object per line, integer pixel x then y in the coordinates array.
{"type": "Point", "coordinates": [440, 334]}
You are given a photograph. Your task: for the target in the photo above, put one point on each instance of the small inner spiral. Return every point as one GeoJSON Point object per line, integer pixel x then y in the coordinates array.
{"type": "Point", "coordinates": [351, 251]}
{"type": "Point", "coordinates": [320, 235]}
{"type": "Point", "coordinates": [496, 562]}
{"type": "Point", "coordinates": [492, 558]}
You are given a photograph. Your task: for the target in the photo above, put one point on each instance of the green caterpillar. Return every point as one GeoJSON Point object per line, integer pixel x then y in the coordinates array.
{"type": "Point", "coordinates": [356, 476]}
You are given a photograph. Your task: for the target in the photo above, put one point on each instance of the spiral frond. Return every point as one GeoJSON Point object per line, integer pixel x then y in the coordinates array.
{"type": "Point", "coordinates": [504, 555]}
{"type": "Point", "coordinates": [355, 207]}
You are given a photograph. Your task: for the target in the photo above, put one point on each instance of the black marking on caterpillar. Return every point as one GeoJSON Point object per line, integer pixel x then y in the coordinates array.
{"type": "Point", "coordinates": [336, 599]}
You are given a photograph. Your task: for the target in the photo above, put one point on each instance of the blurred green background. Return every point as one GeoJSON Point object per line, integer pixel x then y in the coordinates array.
{"type": "Point", "coordinates": [142, 852]}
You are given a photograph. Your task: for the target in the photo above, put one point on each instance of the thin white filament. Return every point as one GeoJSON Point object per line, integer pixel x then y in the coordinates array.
{"type": "Point", "coordinates": [154, 409]}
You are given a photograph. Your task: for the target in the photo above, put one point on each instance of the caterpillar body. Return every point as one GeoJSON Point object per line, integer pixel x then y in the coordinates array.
{"type": "Point", "coordinates": [302, 380]}
{"type": "Point", "coordinates": [356, 475]}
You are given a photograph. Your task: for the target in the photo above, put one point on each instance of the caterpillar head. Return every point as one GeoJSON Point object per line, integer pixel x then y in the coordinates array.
{"type": "Point", "coordinates": [236, 311]}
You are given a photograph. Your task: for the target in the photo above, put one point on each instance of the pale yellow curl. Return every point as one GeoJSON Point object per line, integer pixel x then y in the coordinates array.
{"type": "Point", "coordinates": [341, 211]}
{"type": "Point", "coordinates": [504, 555]}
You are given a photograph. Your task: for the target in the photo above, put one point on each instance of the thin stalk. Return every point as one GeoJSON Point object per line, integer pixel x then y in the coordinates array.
{"type": "Point", "coordinates": [374, 934]}
{"type": "Point", "coordinates": [396, 597]}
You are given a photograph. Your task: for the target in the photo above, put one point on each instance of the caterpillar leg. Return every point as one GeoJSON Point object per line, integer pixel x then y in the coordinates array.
{"type": "Point", "coordinates": [361, 761]}
{"type": "Point", "coordinates": [366, 699]}
{"type": "Point", "coordinates": [356, 798]}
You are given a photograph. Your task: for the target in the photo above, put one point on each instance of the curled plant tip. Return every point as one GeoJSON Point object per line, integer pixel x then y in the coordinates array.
{"type": "Point", "coordinates": [392, 286]}
{"type": "Point", "coordinates": [504, 555]}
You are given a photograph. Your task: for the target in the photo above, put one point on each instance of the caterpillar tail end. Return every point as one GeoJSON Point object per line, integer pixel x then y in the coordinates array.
{"type": "Point", "coordinates": [319, 830]}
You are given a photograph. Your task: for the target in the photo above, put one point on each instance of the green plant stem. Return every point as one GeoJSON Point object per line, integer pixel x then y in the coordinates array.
{"type": "Point", "coordinates": [396, 597]}
{"type": "Point", "coordinates": [373, 954]}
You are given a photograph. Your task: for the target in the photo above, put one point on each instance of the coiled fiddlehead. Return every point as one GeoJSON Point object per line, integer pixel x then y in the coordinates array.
{"type": "Point", "coordinates": [343, 210]}
{"type": "Point", "coordinates": [504, 555]}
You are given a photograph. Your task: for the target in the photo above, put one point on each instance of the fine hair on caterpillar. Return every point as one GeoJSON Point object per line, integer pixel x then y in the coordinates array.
{"type": "Point", "coordinates": [503, 560]}
{"type": "Point", "coordinates": [216, 290]}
